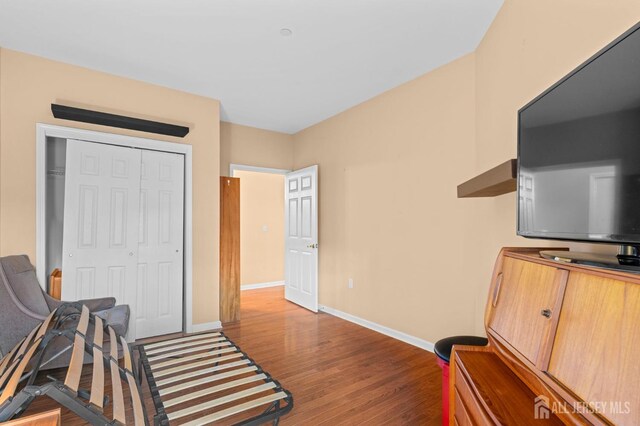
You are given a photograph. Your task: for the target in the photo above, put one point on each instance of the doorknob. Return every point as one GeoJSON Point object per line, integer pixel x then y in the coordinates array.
{"type": "Point", "coordinates": [312, 245]}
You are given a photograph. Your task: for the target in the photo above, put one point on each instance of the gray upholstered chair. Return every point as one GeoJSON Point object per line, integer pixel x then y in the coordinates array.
{"type": "Point", "coordinates": [23, 305]}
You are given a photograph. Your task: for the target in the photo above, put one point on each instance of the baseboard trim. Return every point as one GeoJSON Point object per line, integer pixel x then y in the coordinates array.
{"type": "Point", "coordinates": [399, 335]}
{"type": "Point", "coordinates": [206, 326]}
{"type": "Point", "coordinates": [261, 285]}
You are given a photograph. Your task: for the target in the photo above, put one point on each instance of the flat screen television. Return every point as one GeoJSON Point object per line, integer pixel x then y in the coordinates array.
{"type": "Point", "coordinates": [579, 152]}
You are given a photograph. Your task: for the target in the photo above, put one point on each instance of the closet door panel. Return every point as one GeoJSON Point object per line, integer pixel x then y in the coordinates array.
{"type": "Point", "coordinates": [160, 237]}
{"type": "Point", "coordinates": [101, 210]}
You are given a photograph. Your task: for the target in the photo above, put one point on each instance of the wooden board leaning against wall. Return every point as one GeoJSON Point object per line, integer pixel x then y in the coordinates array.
{"type": "Point", "coordinates": [229, 249]}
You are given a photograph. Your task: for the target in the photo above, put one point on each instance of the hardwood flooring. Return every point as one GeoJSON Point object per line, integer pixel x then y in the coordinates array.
{"type": "Point", "coordinates": [339, 373]}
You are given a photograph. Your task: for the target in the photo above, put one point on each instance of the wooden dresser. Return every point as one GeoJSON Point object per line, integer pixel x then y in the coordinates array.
{"type": "Point", "coordinates": [564, 347]}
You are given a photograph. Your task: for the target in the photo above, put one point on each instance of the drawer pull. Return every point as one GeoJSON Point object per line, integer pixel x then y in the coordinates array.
{"type": "Point", "coordinates": [546, 313]}
{"type": "Point", "coordinates": [496, 290]}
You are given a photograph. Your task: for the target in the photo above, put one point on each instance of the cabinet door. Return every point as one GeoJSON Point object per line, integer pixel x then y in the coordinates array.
{"type": "Point", "coordinates": [526, 300]}
{"type": "Point", "coordinates": [596, 351]}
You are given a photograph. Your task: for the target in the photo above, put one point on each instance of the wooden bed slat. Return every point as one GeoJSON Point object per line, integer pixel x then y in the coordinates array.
{"type": "Point", "coordinates": [138, 414]}
{"type": "Point", "coordinates": [45, 325]}
{"type": "Point", "coordinates": [8, 358]}
{"type": "Point", "coordinates": [200, 385]}
{"type": "Point", "coordinates": [116, 385]}
{"type": "Point", "coordinates": [12, 384]}
{"type": "Point", "coordinates": [237, 409]}
{"type": "Point", "coordinates": [201, 372]}
{"type": "Point", "coordinates": [127, 354]}
{"type": "Point", "coordinates": [180, 339]}
{"type": "Point", "coordinates": [97, 379]}
{"type": "Point", "coordinates": [186, 345]}
{"type": "Point", "coordinates": [27, 341]}
{"type": "Point", "coordinates": [220, 401]}
{"type": "Point", "coordinates": [209, 379]}
{"type": "Point", "coordinates": [11, 359]}
{"type": "Point", "coordinates": [189, 366]}
{"type": "Point", "coordinates": [25, 358]}
{"type": "Point", "coordinates": [213, 389]}
{"type": "Point", "coordinates": [201, 355]}
{"type": "Point", "coordinates": [23, 345]}
{"type": "Point", "coordinates": [203, 347]}
{"type": "Point", "coordinates": [77, 356]}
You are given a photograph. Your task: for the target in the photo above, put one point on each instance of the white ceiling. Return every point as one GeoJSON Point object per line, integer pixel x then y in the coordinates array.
{"type": "Point", "coordinates": [341, 52]}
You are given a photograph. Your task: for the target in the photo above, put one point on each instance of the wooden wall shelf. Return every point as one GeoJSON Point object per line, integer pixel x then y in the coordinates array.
{"type": "Point", "coordinates": [497, 181]}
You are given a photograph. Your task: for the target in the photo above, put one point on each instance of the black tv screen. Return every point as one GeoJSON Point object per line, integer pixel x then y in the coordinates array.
{"type": "Point", "coordinates": [579, 152]}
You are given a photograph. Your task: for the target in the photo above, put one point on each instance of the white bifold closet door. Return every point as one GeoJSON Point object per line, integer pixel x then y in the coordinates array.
{"type": "Point", "coordinates": [123, 232]}
{"type": "Point", "coordinates": [160, 258]}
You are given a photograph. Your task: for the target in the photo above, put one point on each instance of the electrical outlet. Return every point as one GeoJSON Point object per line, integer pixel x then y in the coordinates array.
{"type": "Point", "coordinates": [350, 283]}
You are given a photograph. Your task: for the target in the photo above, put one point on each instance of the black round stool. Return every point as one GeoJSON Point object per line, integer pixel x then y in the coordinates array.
{"type": "Point", "coordinates": [442, 349]}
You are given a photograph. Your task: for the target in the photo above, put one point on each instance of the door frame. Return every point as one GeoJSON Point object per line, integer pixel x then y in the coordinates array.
{"type": "Point", "coordinates": [48, 130]}
{"type": "Point", "coordinates": [245, 168]}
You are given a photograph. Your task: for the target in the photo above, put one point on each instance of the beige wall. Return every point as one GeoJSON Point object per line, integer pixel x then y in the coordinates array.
{"type": "Point", "coordinates": [28, 86]}
{"type": "Point", "coordinates": [254, 147]}
{"type": "Point", "coordinates": [420, 258]}
{"type": "Point", "coordinates": [261, 205]}
{"type": "Point", "coordinates": [530, 46]}
{"type": "Point", "coordinates": [389, 216]}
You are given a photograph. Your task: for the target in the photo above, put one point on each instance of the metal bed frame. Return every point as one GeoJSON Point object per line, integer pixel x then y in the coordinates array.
{"type": "Point", "coordinates": [198, 359]}
{"type": "Point", "coordinates": [170, 366]}
{"type": "Point", "coordinates": [22, 364]}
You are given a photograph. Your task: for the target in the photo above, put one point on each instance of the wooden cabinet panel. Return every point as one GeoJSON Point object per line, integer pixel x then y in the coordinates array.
{"type": "Point", "coordinates": [581, 359]}
{"type": "Point", "coordinates": [47, 418]}
{"type": "Point", "coordinates": [493, 394]}
{"type": "Point", "coordinates": [596, 352]}
{"type": "Point", "coordinates": [461, 416]}
{"type": "Point", "coordinates": [466, 403]}
{"type": "Point", "coordinates": [526, 300]}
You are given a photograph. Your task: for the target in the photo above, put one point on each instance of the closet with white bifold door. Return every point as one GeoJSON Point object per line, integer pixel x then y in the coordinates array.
{"type": "Point", "coordinates": [123, 232]}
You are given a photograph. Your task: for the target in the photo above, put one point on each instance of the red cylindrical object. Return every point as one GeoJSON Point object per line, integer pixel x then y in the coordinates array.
{"type": "Point", "coordinates": [445, 390]}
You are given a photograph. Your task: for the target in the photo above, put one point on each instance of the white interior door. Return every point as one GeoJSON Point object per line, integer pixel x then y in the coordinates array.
{"type": "Point", "coordinates": [301, 237]}
{"type": "Point", "coordinates": [160, 258]}
{"type": "Point", "coordinates": [101, 215]}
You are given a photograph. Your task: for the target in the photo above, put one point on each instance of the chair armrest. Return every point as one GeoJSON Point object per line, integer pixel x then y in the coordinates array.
{"type": "Point", "coordinates": [100, 304]}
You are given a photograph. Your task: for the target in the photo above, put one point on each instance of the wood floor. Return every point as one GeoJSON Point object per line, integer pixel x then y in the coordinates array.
{"type": "Point", "coordinates": [339, 373]}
